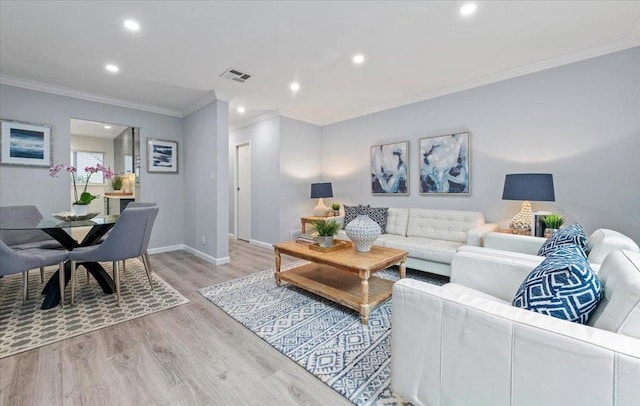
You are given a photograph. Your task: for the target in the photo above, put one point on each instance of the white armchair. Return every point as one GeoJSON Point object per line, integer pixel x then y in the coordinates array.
{"type": "Point", "coordinates": [464, 344]}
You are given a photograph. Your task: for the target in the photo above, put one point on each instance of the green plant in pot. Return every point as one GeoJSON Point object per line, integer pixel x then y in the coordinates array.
{"type": "Point", "coordinates": [326, 231]}
{"type": "Point", "coordinates": [116, 183]}
{"type": "Point", "coordinates": [552, 223]}
{"type": "Point", "coordinates": [336, 209]}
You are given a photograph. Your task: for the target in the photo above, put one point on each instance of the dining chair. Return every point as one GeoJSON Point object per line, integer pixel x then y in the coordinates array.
{"type": "Point", "coordinates": [129, 238]}
{"type": "Point", "coordinates": [145, 256]}
{"type": "Point", "coordinates": [25, 239]}
{"type": "Point", "coordinates": [12, 262]}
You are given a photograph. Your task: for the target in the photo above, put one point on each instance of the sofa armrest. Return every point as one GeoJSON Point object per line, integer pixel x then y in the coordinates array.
{"type": "Point", "coordinates": [525, 244]}
{"type": "Point", "coordinates": [499, 276]}
{"type": "Point", "coordinates": [475, 235]}
{"type": "Point", "coordinates": [451, 347]}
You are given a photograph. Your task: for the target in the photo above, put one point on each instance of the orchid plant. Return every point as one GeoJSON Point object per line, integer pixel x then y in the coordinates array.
{"type": "Point", "coordinates": [85, 197]}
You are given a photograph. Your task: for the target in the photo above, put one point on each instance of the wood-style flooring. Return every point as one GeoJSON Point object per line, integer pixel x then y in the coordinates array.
{"type": "Point", "coordinates": [194, 354]}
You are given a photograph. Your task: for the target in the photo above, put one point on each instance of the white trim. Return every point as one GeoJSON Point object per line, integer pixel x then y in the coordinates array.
{"type": "Point", "coordinates": [302, 117]}
{"type": "Point", "coordinates": [233, 236]}
{"type": "Point", "coordinates": [207, 257]}
{"type": "Point", "coordinates": [206, 99]}
{"type": "Point", "coordinates": [261, 244]}
{"type": "Point", "coordinates": [254, 120]}
{"type": "Point", "coordinates": [611, 47]}
{"type": "Point", "coordinates": [78, 94]}
{"type": "Point", "coordinates": [168, 248]}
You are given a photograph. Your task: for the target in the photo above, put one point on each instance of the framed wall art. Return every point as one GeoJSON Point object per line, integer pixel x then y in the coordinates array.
{"type": "Point", "coordinates": [162, 156]}
{"type": "Point", "coordinates": [444, 165]}
{"type": "Point", "coordinates": [25, 144]}
{"type": "Point", "coordinates": [390, 169]}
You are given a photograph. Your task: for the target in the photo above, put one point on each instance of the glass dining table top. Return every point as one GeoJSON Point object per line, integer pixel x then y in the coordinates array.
{"type": "Point", "coordinates": [49, 222]}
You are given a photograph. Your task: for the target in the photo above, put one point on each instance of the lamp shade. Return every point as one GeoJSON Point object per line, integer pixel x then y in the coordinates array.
{"type": "Point", "coordinates": [536, 187]}
{"type": "Point", "coordinates": [321, 190]}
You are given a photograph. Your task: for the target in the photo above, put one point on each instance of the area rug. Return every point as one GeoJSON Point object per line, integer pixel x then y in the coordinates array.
{"type": "Point", "coordinates": [325, 338]}
{"type": "Point", "coordinates": [25, 327]}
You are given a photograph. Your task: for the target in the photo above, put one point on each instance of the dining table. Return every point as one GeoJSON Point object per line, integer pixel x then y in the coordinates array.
{"type": "Point", "coordinates": [60, 230]}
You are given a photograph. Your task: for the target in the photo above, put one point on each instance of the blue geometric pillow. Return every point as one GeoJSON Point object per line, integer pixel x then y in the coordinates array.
{"type": "Point", "coordinates": [562, 286]}
{"type": "Point", "coordinates": [568, 236]}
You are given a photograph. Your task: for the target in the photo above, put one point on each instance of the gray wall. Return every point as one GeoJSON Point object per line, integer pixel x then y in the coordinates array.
{"type": "Point", "coordinates": [24, 185]}
{"type": "Point", "coordinates": [205, 176]}
{"type": "Point", "coordinates": [580, 122]}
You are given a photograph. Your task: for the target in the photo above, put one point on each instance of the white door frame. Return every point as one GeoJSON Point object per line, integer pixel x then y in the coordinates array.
{"type": "Point", "coordinates": [236, 182]}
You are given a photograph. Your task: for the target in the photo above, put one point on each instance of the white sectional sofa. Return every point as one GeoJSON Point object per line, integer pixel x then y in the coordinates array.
{"type": "Point", "coordinates": [432, 236]}
{"type": "Point", "coordinates": [464, 344]}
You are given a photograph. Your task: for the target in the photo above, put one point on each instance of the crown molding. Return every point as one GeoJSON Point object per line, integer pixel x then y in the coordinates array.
{"type": "Point", "coordinates": [301, 117]}
{"type": "Point", "coordinates": [635, 33]}
{"type": "Point", "coordinates": [254, 120]}
{"type": "Point", "coordinates": [78, 94]}
{"type": "Point", "coordinates": [611, 47]}
{"type": "Point", "coordinates": [206, 99]}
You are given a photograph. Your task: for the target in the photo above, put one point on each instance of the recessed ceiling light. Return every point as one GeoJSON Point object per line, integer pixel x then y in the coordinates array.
{"type": "Point", "coordinates": [131, 25]}
{"type": "Point", "coordinates": [358, 59]}
{"type": "Point", "coordinates": [468, 9]}
{"type": "Point", "coordinates": [107, 127]}
{"type": "Point", "coordinates": [112, 68]}
{"type": "Point", "coordinates": [241, 109]}
{"type": "Point", "coordinates": [295, 86]}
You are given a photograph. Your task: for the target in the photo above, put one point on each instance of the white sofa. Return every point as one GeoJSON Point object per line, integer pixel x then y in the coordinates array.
{"type": "Point", "coordinates": [464, 344]}
{"type": "Point", "coordinates": [432, 236]}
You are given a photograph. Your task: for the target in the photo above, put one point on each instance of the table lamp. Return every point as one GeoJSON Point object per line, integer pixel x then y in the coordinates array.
{"type": "Point", "coordinates": [527, 186]}
{"type": "Point", "coordinates": [320, 191]}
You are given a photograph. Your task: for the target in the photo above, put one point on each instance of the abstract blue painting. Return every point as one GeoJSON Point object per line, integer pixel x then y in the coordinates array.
{"type": "Point", "coordinates": [162, 156]}
{"type": "Point", "coordinates": [25, 144]}
{"type": "Point", "coordinates": [444, 165]}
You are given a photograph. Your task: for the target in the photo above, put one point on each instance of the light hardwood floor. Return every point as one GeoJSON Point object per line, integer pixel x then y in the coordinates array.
{"type": "Point", "coordinates": [194, 354]}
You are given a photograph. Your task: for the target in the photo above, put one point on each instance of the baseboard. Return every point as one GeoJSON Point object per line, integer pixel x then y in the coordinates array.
{"type": "Point", "coordinates": [168, 248]}
{"type": "Point", "coordinates": [233, 236]}
{"type": "Point", "coordinates": [207, 257]}
{"type": "Point", "coordinates": [261, 244]}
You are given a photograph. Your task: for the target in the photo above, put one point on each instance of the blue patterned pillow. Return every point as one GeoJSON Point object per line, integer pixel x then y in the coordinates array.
{"type": "Point", "coordinates": [572, 235]}
{"type": "Point", "coordinates": [379, 215]}
{"type": "Point", "coordinates": [562, 286]}
{"type": "Point", "coordinates": [351, 212]}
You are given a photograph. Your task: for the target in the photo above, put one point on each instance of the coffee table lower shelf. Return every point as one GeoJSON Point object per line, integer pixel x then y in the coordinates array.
{"type": "Point", "coordinates": [343, 287]}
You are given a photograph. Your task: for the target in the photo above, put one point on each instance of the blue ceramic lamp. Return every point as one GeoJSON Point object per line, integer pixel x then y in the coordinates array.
{"type": "Point", "coordinates": [320, 191]}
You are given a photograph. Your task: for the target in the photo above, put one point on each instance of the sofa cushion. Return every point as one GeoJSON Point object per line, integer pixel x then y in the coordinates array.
{"type": "Point", "coordinates": [571, 235]}
{"type": "Point", "coordinates": [397, 220]}
{"type": "Point", "coordinates": [427, 249]}
{"type": "Point", "coordinates": [450, 225]}
{"type": "Point", "coordinates": [562, 286]}
{"type": "Point", "coordinates": [619, 309]}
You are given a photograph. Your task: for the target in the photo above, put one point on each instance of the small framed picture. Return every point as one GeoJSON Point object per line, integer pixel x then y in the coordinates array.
{"type": "Point", "coordinates": [162, 156]}
{"type": "Point", "coordinates": [390, 169]}
{"type": "Point", "coordinates": [25, 144]}
{"type": "Point", "coordinates": [444, 165]}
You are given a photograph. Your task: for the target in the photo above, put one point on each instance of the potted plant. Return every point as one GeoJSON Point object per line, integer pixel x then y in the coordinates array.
{"type": "Point", "coordinates": [336, 209]}
{"type": "Point", "coordinates": [552, 223]}
{"type": "Point", "coordinates": [116, 183]}
{"type": "Point", "coordinates": [326, 231]}
{"type": "Point", "coordinates": [80, 205]}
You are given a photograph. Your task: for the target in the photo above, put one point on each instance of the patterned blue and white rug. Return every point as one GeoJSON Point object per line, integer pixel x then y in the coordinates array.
{"type": "Point", "coordinates": [324, 337]}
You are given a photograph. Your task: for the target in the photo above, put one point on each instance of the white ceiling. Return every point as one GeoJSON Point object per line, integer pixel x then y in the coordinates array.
{"type": "Point", "coordinates": [94, 129]}
{"type": "Point", "coordinates": [414, 50]}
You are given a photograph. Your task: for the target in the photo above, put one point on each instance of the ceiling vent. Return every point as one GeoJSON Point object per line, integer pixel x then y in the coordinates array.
{"type": "Point", "coordinates": [235, 74]}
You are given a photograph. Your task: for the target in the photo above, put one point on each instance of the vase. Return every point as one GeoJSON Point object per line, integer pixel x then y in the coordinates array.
{"type": "Point", "coordinates": [363, 232]}
{"type": "Point", "coordinates": [325, 241]}
{"type": "Point", "coordinates": [548, 232]}
{"type": "Point", "coordinates": [80, 209]}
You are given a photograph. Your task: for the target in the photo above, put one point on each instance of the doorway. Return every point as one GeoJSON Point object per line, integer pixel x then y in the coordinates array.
{"type": "Point", "coordinates": [243, 191]}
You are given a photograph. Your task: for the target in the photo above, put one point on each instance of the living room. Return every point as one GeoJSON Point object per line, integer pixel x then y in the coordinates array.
{"type": "Point", "coordinates": [572, 113]}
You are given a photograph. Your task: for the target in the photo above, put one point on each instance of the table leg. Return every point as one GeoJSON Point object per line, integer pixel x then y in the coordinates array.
{"type": "Point", "coordinates": [302, 221]}
{"type": "Point", "coordinates": [52, 288]}
{"type": "Point", "coordinates": [364, 306]}
{"type": "Point", "coordinates": [278, 262]}
{"type": "Point", "coordinates": [403, 269]}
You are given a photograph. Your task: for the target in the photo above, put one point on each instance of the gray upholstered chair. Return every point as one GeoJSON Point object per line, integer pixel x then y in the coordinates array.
{"type": "Point", "coordinates": [145, 256]}
{"type": "Point", "coordinates": [129, 238]}
{"type": "Point", "coordinates": [25, 239]}
{"type": "Point", "coordinates": [12, 262]}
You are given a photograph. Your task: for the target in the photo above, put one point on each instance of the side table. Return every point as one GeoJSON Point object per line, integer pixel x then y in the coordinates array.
{"type": "Point", "coordinates": [313, 220]}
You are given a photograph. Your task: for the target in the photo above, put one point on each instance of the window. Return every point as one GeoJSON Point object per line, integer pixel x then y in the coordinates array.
{"type": "Point", "coordinates": [82, 159]}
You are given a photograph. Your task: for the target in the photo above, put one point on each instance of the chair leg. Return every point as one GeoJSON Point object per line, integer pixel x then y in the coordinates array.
{"type": "Point", "coordinates": [25, 286]}
{"type": "Point", "coordinates": [116, 277]}
{"type": "Point", "coordinates": [124, 265]}
{"type": "Point", "coordinates": [73, 282]}
{"type": "Point", "coordinates": [42, 274]}
{"type": "Point", "coordinates": [61, 281]}
{"type": "Point", "coordinates": [147, 267]}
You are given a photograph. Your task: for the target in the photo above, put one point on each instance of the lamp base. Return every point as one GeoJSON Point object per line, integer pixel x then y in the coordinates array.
{"type": "Point", "coordinates": [521, 222]}
{"type": "Point", "coordinates": [321, 210]}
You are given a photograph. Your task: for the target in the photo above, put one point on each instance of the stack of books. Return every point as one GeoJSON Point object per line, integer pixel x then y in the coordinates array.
{"type": "Point", "coordinates": [305, 239]}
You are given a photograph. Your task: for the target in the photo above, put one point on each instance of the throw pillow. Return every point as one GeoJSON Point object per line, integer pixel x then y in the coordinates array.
{"type": "Point", "coordinates": [379, 215]}
{"type": "Point", "coordinates": [568, 236]}
{"type": "Point", "coordinates": [351, 212]}
{"type": "Point", "coordinates": [562, 286]}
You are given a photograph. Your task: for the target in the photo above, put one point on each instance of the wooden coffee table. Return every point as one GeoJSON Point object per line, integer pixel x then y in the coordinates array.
{"type": "Point", "coordinates": [344, 276]}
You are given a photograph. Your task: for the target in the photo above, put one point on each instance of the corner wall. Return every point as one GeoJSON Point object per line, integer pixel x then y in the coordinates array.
{"type": "Point", "coordinates": [580, 122]}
